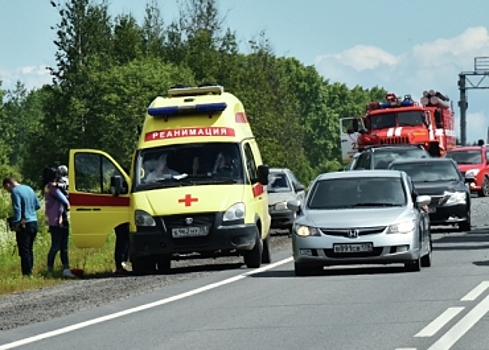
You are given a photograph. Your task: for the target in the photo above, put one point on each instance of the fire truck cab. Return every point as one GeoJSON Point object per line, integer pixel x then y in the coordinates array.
{"type": "Point", "coordinates": [397, 121]}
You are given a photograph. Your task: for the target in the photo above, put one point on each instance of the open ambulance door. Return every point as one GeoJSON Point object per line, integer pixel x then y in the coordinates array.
{"type": "Point", "coordinates": [95, 211]}
{"type": "Point", "coordinates": [349, 132]}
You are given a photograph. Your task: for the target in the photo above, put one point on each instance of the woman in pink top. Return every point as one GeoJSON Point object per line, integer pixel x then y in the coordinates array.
{"type": "Point", "coordinates": [56, 210]}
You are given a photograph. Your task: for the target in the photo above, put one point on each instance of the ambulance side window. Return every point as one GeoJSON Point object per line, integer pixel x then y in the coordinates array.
{"type": "Point", "coordinates": [93, 173]}
{"type": "Point", "coordinates": [250, 164]}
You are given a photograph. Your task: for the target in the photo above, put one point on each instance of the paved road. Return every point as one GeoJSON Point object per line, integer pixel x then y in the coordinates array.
{"type": "Point", "coordinates": [441, 307]}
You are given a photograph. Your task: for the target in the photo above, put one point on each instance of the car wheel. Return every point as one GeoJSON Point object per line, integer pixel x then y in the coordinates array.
{"type": "Point", "coordinates": [465, 226]}
{"type": "Point", "coordinates": [306, 269]}
{"type": "Point", "coordinates": [426, 260]}
{"type": "Point", "coordinates": [413, 266]}
{"type": "Point", "coordinates": [484, 192]}
{"type": "Point", "coordinates": [252, 258]}
{"type": "Point", "coordinates": [266, 257]}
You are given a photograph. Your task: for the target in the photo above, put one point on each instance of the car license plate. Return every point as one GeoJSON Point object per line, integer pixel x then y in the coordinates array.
{"type": "Point", "coordinates": [353, 248]}
{"type": "Point", "coordinates": [431, 209]}
{"type": "Point", "coordinates": [190, 231]}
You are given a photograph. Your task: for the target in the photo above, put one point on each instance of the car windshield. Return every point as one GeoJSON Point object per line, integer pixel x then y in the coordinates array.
{"type": "Point", "coordinates": [429, 171]}
{"type": "Point", "coordinates": [383, 158]}
{"type": "Point", "coordinates": [278, 183]}
{"type": "Point", "coordinates": [188, 164]}
{"type": "Point", "coordinates": [465, 157]}
{"type": "Point", "coordinates": [358, 192]}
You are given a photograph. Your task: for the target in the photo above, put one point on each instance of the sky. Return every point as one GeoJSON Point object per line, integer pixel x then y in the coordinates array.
{"type": "Point", "coordinates": [406, 47]}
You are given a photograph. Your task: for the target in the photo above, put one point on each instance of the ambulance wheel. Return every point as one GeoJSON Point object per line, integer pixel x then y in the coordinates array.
{"type": "Point", "coordinates": [266, 256]}
{"type": "Point", "coordinates": [253, 258]}
{"type": "Point", "coordinates": [143, 265]}
{"type": "Point", "coordinates": [164, 263]}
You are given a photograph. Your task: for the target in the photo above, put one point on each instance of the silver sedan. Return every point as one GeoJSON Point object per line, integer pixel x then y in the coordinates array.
{"type": "Point", "coordinates": [361, 217]}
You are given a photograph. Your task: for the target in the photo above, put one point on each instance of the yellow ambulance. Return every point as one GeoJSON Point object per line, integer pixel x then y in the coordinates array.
{"type": "Point", "coordinates": [196, 187]}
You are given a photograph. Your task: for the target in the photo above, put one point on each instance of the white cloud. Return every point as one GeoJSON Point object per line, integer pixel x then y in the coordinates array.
{"type": "Point", "coordinates": [31, 76]}
{"type": "Point", "coordinates": [430, 65]}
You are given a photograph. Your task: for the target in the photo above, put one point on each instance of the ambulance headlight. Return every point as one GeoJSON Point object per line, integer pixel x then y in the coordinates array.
{"type": "Point", "coordinates": [236, 212]}
{"type": "Point", "coordinates": [144, 219]}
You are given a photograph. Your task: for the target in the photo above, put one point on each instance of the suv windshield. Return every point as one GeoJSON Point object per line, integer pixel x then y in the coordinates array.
{"type": "Point", "coordinates": [188, 164]}
{"type": "Point", "coordinates": [390, 120]}
{"type": "Point", "coordinates": [465, 157]}
{"type": "Point", "coordinates": [278, 183]}
{"type": "Point", "coordinates": [357, 192]}
{"type": "Point", "coordinates": [382, 158]}
{"type": "Point", "coordinates": [429, 171]}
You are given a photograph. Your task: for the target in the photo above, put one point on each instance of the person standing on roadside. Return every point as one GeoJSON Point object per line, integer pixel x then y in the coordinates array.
{"type": "Point", "coordinates": [56, 210]}
{"type": "Point", "coordinates": [25, 205]}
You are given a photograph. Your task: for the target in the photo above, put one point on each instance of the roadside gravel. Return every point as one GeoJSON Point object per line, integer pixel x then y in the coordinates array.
{"type": "Point", "coordinates": [44, 304]}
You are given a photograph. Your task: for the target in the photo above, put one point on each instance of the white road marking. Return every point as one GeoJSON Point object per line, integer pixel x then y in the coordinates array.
{"type": "Point", "coordinates": [140, 308]}
{"type": "Point", "coordinates": [406, 349]}
{"type": "Point", "coordinates": [439, 322]}
{"type": "Point", "coordinates": [462, 326]}
{"type": "Point", "coordinates": [474, 293]}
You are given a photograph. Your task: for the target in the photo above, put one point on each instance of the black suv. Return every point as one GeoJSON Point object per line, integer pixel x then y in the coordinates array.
{"type": "Point", "coordinates": [379, 157]}
{"type": "Point", "coordinates": [440, 179]}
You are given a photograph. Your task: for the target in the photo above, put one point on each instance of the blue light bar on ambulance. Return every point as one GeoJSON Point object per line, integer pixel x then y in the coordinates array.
{"type": "Point", "coordinates": [187, 109]}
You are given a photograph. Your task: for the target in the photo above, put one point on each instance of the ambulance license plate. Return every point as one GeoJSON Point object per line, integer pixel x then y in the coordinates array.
{"type": "Point", "coordinates": [182, 232]}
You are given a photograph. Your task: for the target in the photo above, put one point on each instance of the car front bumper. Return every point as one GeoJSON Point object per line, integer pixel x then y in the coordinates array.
{"type": "Point", "coordinates": [386, 249]}
{"type": "Point", "coordinates": [449, 214]}
{"type": "Point", "coordinates": [282, 218]}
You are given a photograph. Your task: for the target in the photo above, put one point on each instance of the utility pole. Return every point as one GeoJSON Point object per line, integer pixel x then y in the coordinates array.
{"type": "Point", "coordinates": [481, 72]}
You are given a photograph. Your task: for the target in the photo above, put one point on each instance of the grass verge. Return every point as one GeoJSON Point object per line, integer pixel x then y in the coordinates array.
{"type": "Point", "coordinates": [94, 262]}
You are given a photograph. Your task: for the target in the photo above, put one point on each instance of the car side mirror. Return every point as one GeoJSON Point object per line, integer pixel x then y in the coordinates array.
{"type": "Point", "coordinates": [294, 205]}
{"type": "Point", "coordinates": [299, 187]}
{"type": "Point", "coordinates": [263, 174]}
{"type": "Point", "coordinates": [422, 201]}
{"type": "Point", "coordinates": [117, 185]}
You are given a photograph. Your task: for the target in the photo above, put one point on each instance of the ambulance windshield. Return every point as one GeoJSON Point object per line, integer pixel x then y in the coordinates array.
{"type": "Point", "coordinates": [189, 164]}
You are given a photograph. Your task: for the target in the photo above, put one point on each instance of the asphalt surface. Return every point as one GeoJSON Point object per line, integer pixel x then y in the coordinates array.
{"type": "Point", "coordinates": [231, 307]}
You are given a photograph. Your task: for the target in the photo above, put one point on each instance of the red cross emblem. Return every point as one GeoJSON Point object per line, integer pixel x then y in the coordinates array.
{"type": "Point", "coordinates": [188, 200]}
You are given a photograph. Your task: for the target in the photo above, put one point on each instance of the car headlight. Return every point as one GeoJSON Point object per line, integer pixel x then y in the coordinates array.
{"type": "Point", "coordinates": [144, 219]}
{"type": "Point", "coordinates": [401, 227]}
{"type": "Point", "coordinates": [472, 172]}
{"type": "Point", "coordinates": [455, 197]}
{"type": "Point", "coordinates": [281, 206]}
{"type": "Point", "coordinates": [236, 212]}
{"type": "Point", "coordinates": [305, 231]}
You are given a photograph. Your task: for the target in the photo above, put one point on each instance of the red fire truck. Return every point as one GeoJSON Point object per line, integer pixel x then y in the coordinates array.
{"type": "Point", "coordinates": [401, 121]}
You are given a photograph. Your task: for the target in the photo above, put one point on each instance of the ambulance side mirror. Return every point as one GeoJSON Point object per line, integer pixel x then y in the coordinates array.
{"type": "Point", "coordinates": [263, 173]}
{"type": "Point", "coordinates": [117, 185]}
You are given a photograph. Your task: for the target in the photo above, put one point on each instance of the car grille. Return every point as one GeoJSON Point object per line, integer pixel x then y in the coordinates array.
{"type": "Point", "coordinates": [437, 201]}
{"type": "Point", "coordinates": [331, 254]}
{"type": "Point", "coordinates": [362, 231]}
{"type": "Point", "coordinates": [395, 140]}
{"type": "Point", "coordinates": [179, 220]}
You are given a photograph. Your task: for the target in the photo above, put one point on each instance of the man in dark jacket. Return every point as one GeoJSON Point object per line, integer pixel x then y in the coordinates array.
{"type": "Point", "coordinates": [24, 220]}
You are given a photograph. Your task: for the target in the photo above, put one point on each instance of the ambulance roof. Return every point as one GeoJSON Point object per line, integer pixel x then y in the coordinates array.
{"type": "Point", "coordinates": [195, 114]}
